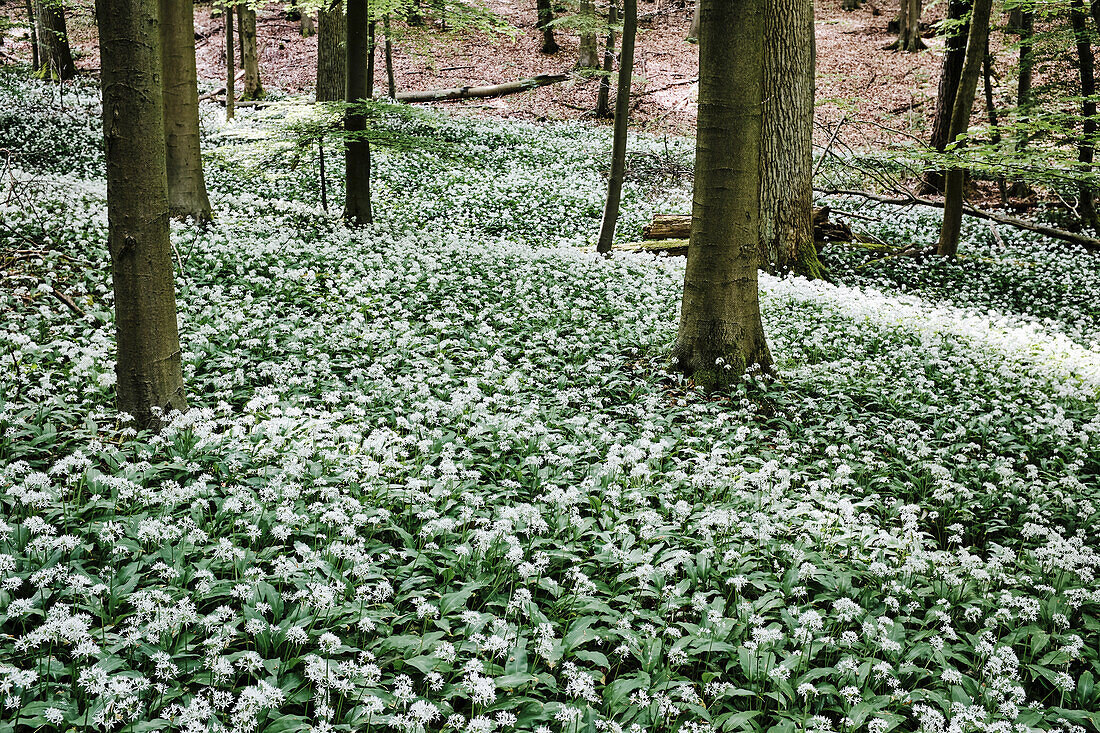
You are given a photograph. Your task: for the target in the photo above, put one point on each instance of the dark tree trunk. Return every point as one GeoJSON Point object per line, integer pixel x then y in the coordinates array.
{"type": "Point", "coordinates": [960, 120]}
{"type": "Point", "coordinates": [250, 54]}
{"type": "Point", "coordinates": [32, 22]}
{"type": "Point", "coordinates": [357, 204]}
{"type": "Point", "coordinates": [187, 195]}
{"type": "Point", "coordinates": [1022, 22]}
{"type": "Point", "coordinates": [909, 27]}
{"type": "Point", "coordinates": [391, 80]}
{"type": "Point", "coordinates": [230, 65]}
{"type": "Point", "coordinates": [332, 32]}
{"type": "Point", "coordinates": [148, 369]}
{"type": "Point", "coordinates": [953, 56]}
{"type": "Point", "coordinates": [1085, 66]}
{"type": "Point", "coordinates": [603, 107]}
{"type": "Point", "coordinates": [622, 117]}
{"type": "Point", "coordinates": [56, 57]}
{"type": "Point", "coordinates": [720, 335]}
{"type": "Point", "coordinates": [370, 58]}
{"type": "Point", "coordinates": [545, 12]}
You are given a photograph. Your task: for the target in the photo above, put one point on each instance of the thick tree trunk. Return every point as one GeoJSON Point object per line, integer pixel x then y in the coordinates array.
{"type": "Point", "coordinates": [545, 12]}
{"type": "Point", "coordinates": [960, 120]}
{"type": "Point", "coordinates": [250, 54]}
{"type": "Point", "coordinates": [357, 205]}
{"type": "Point", "coordinates": [1085, 150]}
{"type": "Point", "coordinates": [56, 56]}
{"type": "Point", "coordinates": [622, 117]}
{"type": "Point", "coordinates": [186, 186]}
{"type": "Point", "coordinates": [909, 28]}
{"type": "Point", "coordinates": [230, 64]}
{"type": "Point", "coordinates": [953, 56]}
{"type": "Point", "coordinates": [332, 32]}
{"type": "Point", "coordinates": [148, 368]}
{"type": "Point", "coordinates": [1022, 22]}
{"type": "Point", "coordinates": [391, 80]}
{"type": "Point", "coordinates": [588, 56]}
{"type": "Point", "coordinates": [720, 334]}
{"type": "Point", "coordinates": [603, 106]}
{"type": "Point", "coordinates": [787, 167]}
{"type": "Point", "coordinates": [309, 26]}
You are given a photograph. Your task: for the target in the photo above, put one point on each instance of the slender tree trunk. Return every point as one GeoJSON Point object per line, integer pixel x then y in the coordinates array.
{"type": "Point", "coordinates": [32, 22]}
{"type": "Point", "coordinates": [693, 31]}
{"type": "Point", "coordinates": [991, 114]}
{"type": "Point", "coordinates": [588, 56]}
{"type": "Point", "coordinates": [960, 120]}
{"type": "Point", "coordinates": [1085, 66]}
{"type": "Point", "coordinates": [250, 54]}
{"type": "Point", "coordinates": [953, 56]}
{"type": "Point", "coordinates": [721, 335]}
{"type": "Point", "coordinates": [787, 168]}
{"type": "Point", "coordinates": [545, 11]}
{"type": "Point", "coordinates": [332, 40]}
{"type": "Point", "coordinates": [622, 117]}
{"type": "Point", "coordinates": [357, 205]}
{"type": "Point", "coordinates": [53, 36]}
{"type": "Point", "coordinates": [1022, 22]}
{"type": "Point", "coordinates": [391, 81]}
{"type": "Point", "coordinates": [603, 107]}
{"type": "Point", "coordinates": [909, 28]}
{"type": "Point", "coordinates": [230, 65]}
{"type": "Point", "coordinates": [149, 377]}
{"type": "Point", "coordinates": [186, 186]}
{"type": "Point", "coordinates": [370, 57]}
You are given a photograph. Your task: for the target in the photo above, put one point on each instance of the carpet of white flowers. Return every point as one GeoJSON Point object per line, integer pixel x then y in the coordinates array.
{"type": "Point", "coordinates": [436, 477]}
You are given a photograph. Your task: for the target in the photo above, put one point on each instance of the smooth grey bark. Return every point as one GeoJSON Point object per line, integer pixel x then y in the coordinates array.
{"type": "Point", "coordinates": [603, 107]}
{"type": "Point", "coordinates": [391, 80]}
{"type": "Point", "coordinates": [544, 10]}
{"type": "Point", "coordinates": [955, 179]}
{"type": "Point", "coordinates": [953, 56]}
{"type": "Point", "coordinates": [909, 38]}
{"type": "Point", "coordinates": [230, 64]}
{"type": "Point", "coordinates": [32, 22]}
{"type": "Point", "coordinates": [357, 204]}
{"type": "Point", "coordinates": [588, 55]}
{"type": "Point", "coordinates": [250, 54]}
{"type": "Point", "coordinates": [787, 165]}
{"type": "Point", "coordinates": [332, 31]}
{"type": "Point", "coordinates": [622, 118]}
{"type": "Point", "coordinates": [187, 195]}
{"type": "Point", "coordinates": [693, 31]}
{"type": "Point", "coordinates": [55, 54]}
{"type": "Point", "coordinates": [149, 376]}
{"type": "Point", "coordinates": [1078, 16]}
{"type": "Point", "coordinates": [720, 335]}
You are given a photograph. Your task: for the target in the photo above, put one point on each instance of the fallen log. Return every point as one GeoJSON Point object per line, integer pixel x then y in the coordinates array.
{"type": "Point", "coordinates": [494, 90]}
{"type": "Point", "coordinates": [678, 226]}
{"type": "Point", "coordinates": [1089, 243]}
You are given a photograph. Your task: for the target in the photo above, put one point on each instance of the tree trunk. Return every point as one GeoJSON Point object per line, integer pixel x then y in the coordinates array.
{"type": "Point", "coordinates": [545, 12]}
{"type": "Point", "coordinates": [603, 107]}
{"type": "Point", "coordinates": [1022, 22]}
{"type": "Point", "coordinates": [909, 28]}
{"type": "Point", "coordinates": [56, 57]}
{"type": "Point", "coordinates": [693, 31]}
{"type": "Point", "coordinates": [786, 185]}
{"type": "Point", "coordinates": [960, 120]}
{"type": "Point", "coordinates": [953, 56]}
{"type": "Point", "coordinates": [309, 26]}
{"type": "Point", "coordinates": [148, 367]}
{"type": "Point", "coordinates": [357, 204]}
{"type": "Point", "coordinates": [332, 32]}
{"type": "Point", "coordinates": [622, 117]}
{"type": "Point", "coordinates": [32, 22]}
{"type": "Point", "coordinates": [720, 334]}
{"type": "Point", "coordinates": [250, 55]}
{"type": "Point", "coordinates": [991, 114]}
{"type": "Point", "coordinates": [186, 186]}
{"type": "Point", "coordinates": [391, 81]}
{"type": "Point", "coordinates": [230, 64]}
{"type": "Point", "coordinates": [1085, 66]}
{"type": "Point", "coordinates": [588, 56]}
{"type": "Point", "coordinates": [370, 56]}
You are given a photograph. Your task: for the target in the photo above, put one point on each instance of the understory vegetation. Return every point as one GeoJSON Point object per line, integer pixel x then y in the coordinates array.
{"type": "Point", "coordinates": [435, 474]}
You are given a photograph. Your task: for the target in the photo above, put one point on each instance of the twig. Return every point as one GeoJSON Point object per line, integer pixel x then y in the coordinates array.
{"type": "Point", "coordinates": [66, 300]}
{"type": "Point", "coordinates": [829, 146]}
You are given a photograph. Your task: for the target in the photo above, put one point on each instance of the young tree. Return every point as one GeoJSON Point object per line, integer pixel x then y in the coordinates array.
{"type": "Point", "coordinates": [956, 28]}
{"type": "Point", "coordinates": [1078, 17]}
{"type": "Point", "coordinates": [545, 13]}
{"type": "Point", "coordinates": [787, 235]}
{"type": "Point", "coordinates": [721, 335]}
{"type": "Point", "coordinates": [250, 55]}
{"type": "Point", "coordinates": [187, 195]}
{"type": "Point", "coordinates": [230, 63]}
{"type": "Point", "coordinates": [32, 23]}
{"type": "Point", "coordinates": [693, 31]}
{"type": "Point", "coordinates": [909, 27]}
{"type": "Point", "coordinates": [332, 43]}
{"type": "Point", "coordinates": [148, 369]}
{"type": "Point", "coordinates": [960, 120]}
{"type": "Point", "coordinates": [622, 117]}
{"type": "Point", "coordinates": [55, 55]}
{"type": "Point", "coordinates": [603, 108]}
{"type": "Point", "coordinates": [357, 205]}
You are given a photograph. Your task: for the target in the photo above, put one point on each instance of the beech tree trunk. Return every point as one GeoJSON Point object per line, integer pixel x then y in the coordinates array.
{"type": "Point", "coordinates": [187, 195]}
{"type": "Point", "coordinates": [787, 168]}
{"type": "Point", "coordinates": [953, 56]}
{"type": "Point", "coordinates": [55, 56]}
{"type": "Point", "coordinates": [720, 334]}
{"type": "Point", "coordinates": [357, 204]}
{"type": "Point", "coordinates": [588, 56]}
{"type": "Point", "coordinates": [391, 81]}
{"type": "Point", "coordinates": [622, 117]}
{"type": "Point", "coordinates": [32, 23]}
{"type": "Point", "coordinates": [309, 26]}
{"type": "Point", "coordinates": [370, 56]}
{"type": "Point", "coordinates": [230, 64]}
{"type": "Point", "coordinates": [332, 44]}
{"type": "Point", "coordinates": [1085, 66]}
{"type": "Point", "coordinates": [545, 13]}
{"type": "Point", "coordinates": [148, 369]}
{"type": "Point", "coordinates": [960, 120]}
{"type": "Point", "coordinates": [909, 27]}
{"type": "Point", "coordinates": [603, 106]}
{"type": "Point", "coordinates": [693, 31]}
{"type": "Point", "coordinates": [250, 55]}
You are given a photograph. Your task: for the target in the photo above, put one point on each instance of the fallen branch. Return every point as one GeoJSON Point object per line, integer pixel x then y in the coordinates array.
{"type": "Point", "coordinates": [1089, 243]}
{"type": "Point", "coordinates": [494, 90]}
{"type": "Point", "coordinates": [667, 87]}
